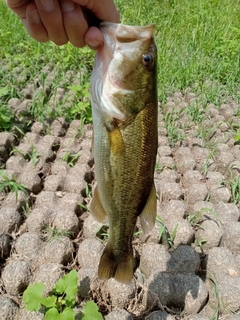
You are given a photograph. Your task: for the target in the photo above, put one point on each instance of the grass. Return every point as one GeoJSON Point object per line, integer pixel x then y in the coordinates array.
{"type": "Point", "coordinates": [10, 185]}
{"type": "Point", "coordinates": [198, 46]}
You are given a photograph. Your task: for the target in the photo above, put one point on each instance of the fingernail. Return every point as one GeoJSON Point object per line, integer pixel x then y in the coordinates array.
{"type": "Point", "coordinates": [35, 17]}
{"type": "Point", "coordinates": [68, 6]}
{"type": "Point", "coordinates": [48, 5]}
{"type": "Point", "coordinates": [93, 44]}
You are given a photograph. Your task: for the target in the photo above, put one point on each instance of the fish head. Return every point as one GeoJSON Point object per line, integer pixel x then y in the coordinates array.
{"type": "Point", "coordinates": [124, 76]}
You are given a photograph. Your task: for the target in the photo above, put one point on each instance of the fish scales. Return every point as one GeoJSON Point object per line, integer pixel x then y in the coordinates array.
{"type": "Point", "coordinates": [125, 143]}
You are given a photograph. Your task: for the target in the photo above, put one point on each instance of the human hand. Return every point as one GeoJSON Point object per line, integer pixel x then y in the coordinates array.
{"type": "Point", "coordinates": [64, 20]}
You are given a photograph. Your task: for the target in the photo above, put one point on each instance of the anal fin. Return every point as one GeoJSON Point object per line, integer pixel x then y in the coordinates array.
{"type": "Point", "coordinates": [96, 208]}
{"type": "Point", "coordinates": [148, 215]}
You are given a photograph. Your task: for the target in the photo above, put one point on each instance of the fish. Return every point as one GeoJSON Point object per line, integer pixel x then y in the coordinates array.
{"type": "Point", "coordinates": [124, 100]}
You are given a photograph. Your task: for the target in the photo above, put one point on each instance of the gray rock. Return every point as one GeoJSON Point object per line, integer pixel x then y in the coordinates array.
{"type": "Point", "coordinates": [10, 220]}
{"type": "Point", "coordinates": [231, 238]}
{"type": "Point", "coordinates": [65, 220]}
{"type": "Point", "coordinates": [59, 250]}
{"type": "Point", "coordinates": [184, 290]}
{"type": "Point", "coordinates": [184, 159]}
{"type": "Point", "coordinates": [154, 259]}
{"type": "Point", "coordinates": [119, 314]}
{"type": "Point", "coordinates": [184, 232]}
{"type": "Point", "coordinates": [174, 210]}
{"type": "Point", "coordinates": [226, 111]}
{"type": "Point", "coordinates": [71, 202]}
{"type": "Point", "coordinates": [221, 261]}
{"type": "Point", "coordinates": [159, 315]}
{"type": "Point", "coordinates": [120, 293]}
{"type": "Point", "coordinates": [166, 162]}
{"type": "Point", "coordinates": [29, 315]}
{"type": "Point", "coordinates": [198, 317]}
{"type": "Point", "coordinates": [58, 127]}
{"type": "Point", "coordinates": [227, 212]}
{"type": "Point", "coordinates": [191, 177]}
{"type": "Point", "coordinates": [165, 151]}
{"type": "Point", "coordinates": [48, 274]}
{"type": "Point", "coordinates": [29, 245]}
{"type": "Point", "coordinates": [18, 202]}
{"type": "Point", "coordinates": [5, 246]}
{"type": "Point", "coordinates": [16, 164]}
{"type": "Point", "coordinates": [219, 193]}
{"type": "Point", "coordinates": [168, 175]}
{"type": "Point", "coordinates": [223, 160]}
{"type": "Point", "coordinates": [54, 183]}
{"type": "Point", "coordinates": [16, 276]}
{"type": "Point", "coordinates": [8, 308]}
{"type": "Point", "coordinates": [46, 199]}
{"type": "Point", "coordinates": [73, 184]}
{"type": "Point", "coordinates": [232, 317]}
{"type": "Point", "coordinates": [196, 192]}
{"type": "Point", "coordinates": [90, 227]}
{"type": "Point", "coordinates": [211, 232]}
{"type": "Point", "coordinates": [170, 191]}
{"type": "Point", "coordinates": [38, 219]}
{"type": "Point", "coordinates": [214, 178]}
{"type": "Point", "coordinates": [88, 282]}
{"type": "Point", "coordinates": [31, 181]}
{"type": "Point", "coordinates": [184, 259]}
{"type": "Point", "coordinates": [60, 167]}
{"type": "Point", "coordinates": [89, 253]}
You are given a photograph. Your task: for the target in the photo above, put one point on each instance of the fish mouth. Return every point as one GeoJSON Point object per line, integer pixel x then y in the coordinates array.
{"type": "Point", "coordinates": [122, 44]}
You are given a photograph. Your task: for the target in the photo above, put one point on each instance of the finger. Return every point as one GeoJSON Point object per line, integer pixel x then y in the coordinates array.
{"type": "Point", "coordinates": [94, 38]}
{"type": "Point", "coordinates": [34, 24]}
{"type": "Point", "coordinates": [18, 6]}
{"type": "Point", "coordinates": [75, 23]}
{"type": "Point", "coordinates": [104, 9]}
{"type": "Point", "coordinates": [51, 16]}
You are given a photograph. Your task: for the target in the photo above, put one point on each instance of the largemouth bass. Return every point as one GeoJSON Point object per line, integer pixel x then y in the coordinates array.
{"type": "Point", "coordinates": [124, 107]}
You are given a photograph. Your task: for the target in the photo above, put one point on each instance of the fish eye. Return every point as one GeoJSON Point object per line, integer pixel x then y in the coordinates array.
{"type": "Point", "coordinates": [147, 59]}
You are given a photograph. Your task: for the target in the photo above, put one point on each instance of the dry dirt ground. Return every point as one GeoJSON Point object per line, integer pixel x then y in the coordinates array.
{"type": "Point", "coordinates": [189, 267]}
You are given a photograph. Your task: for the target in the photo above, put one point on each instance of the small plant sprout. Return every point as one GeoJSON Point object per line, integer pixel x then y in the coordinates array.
{"type": "Point", "coordinates": [171, 119]}
{"type": "Point", "coordinates": [53, 233]}
{"type": "Point", "coordinates": [59, 304]}
{"type": "Point", "coordinates": [200, 242]}
{"type": "Point", "coordinates": [164, 236]}
{"type": "Point", "coordinates": [70, 158]}
{"type": "Point", "coordinates": [33, 155]}
{"type": "Point", "coordinates": [7, 184]}
{"type": "Point", "coordinates": [197, 218]}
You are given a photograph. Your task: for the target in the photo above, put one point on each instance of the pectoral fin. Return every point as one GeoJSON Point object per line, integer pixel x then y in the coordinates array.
{"type": "Point", "coordinates": [96, 208]}
{"type": "Point", "coordinates": [116, 141]}
{"type": "Point", "coordinates": [148, 215]}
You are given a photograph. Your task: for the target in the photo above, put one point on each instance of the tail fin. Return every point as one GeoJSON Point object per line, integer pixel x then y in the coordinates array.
{"type": "Point", "coordinates": [120, 268]}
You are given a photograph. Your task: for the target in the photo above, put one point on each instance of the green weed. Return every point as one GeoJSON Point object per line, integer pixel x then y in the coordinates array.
{"type": "Point", "coordinates": [171, 121]}
{"type": "Point", "coordinates": [59, 304]}
{"type": "Point", "coordinates": [53, 233]}
{"type": "Point", "coordinates": [164, 236]}
{"type": "Point", "coordinates": [33, 155]}
{"type": "Point", "coordinates": [197, 218]}
{"type": "Point", "coordinates": [7, 184]}
{"type": "Point", "coordinates": [70, 158]}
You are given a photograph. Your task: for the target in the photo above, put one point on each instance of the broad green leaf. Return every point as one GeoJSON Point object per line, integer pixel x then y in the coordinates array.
{"type": "Point", "coordinates": [52, 314]}
{"type": "Point", "coordinates": [32, 296]}
{"type": "Point", "coordinates": [3, 91]}
{"type": "Point", "coordinates": [91, 312]}
{"type": "Point", "coordinates": [49, 301]}
{"type": "Point", "coordinates": [67, 314]}
{"type": "Point", "coordinates": [68, 285]}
